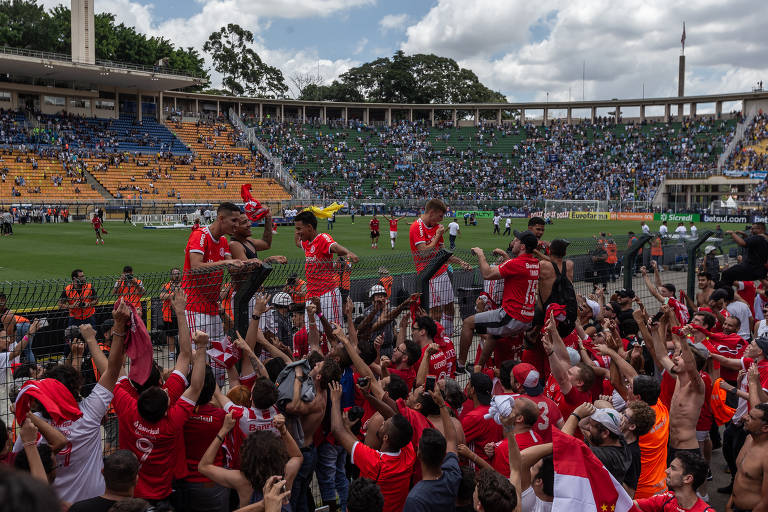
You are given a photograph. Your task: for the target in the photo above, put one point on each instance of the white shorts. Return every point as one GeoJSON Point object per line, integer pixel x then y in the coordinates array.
{"type": "Point", "coordinates": [214, 328]}
{"type": "Point", "coordinates": [497, 322]}
{"type": "Point", "coordinates": [331, 307]}
{"type": "Point", "coordinates": [440, 291]}
{"type": "Point", "coordinates": [393, 234]}
{"type": "Point", "coordinates": [494, 288]}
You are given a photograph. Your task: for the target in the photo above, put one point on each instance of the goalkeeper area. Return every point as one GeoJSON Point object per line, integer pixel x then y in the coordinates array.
{"type": "Point", "coordinates": [44, 251]}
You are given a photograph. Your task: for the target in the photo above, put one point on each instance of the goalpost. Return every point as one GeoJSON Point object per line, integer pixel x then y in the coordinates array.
{"type": "Point", "coordinates": [567, 205]}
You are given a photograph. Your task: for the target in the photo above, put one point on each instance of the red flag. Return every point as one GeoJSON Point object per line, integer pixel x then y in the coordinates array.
{"type": "Point", "coordinates": [581, 480]}
{"type": "Point", "coordinates": [53, 396]}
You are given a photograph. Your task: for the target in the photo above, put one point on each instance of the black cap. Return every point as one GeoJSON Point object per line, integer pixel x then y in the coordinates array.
{"type": "Point", "coordinates": [719, 294]}
{"type": "Point", "coordinates": [527, 238]}
{"type": "Point", "coordinates": [621, 292]}
{"type": "Point", "coordinates": [483, 387]}
{"type": "Point", "coordinates": [762, 342]}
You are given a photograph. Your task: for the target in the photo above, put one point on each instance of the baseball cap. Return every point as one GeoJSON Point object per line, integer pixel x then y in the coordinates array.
{"type": "Point", "coordinates": [708, 249]}
{"type": "Point", "coordinates": [482, 385]}
{"type": "Point", "coordinates": [558, 246]}
{"type": "Point", "coordinates": [377, 288]}
{"type": "Point", "coordinates": [762, 342]}
{"type": "Point", "coordinates": [527, 238]}
{"type": "Point", "coordinates": [281, 299]}
{"type": "Point", "coordinates": [528, 377]}
{"type": "Point", "coordinates": [595, 307]}
{"type": "Point", "coordinates": [719, 294]}
{"type": "Point", "coordinates": [699, 348]}
{"type": "Point", "coordinates": [609, 418]}
{"type": "Point", "coordinates": [574, 355]}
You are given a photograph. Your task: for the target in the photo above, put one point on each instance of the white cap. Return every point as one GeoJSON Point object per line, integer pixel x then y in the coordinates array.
{"type": "Point", "coordinates": [595, 308]}
{"type": "Point", "coordinates": [281, 299]}
{"type": "Point", "coordinates": [574, 355]}
{"type": "Point", "coordinates": [377, 288]}
{"type": "Point", "coordinates": [708, 249]}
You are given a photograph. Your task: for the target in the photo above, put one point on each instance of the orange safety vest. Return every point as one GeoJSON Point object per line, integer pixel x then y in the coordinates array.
{"type": "Point", "coordinates": [167, 308]}
{"type": "Point", "coordinates": [610, 248]}
{"type": "Point", "coordinates": [83, 295]}
{"type": "Point", "coordinates": [722, 412]}
{"type": "Point", "coordinates": [631, 241]}
{"type": "Point", "coordinates": [104, 348]}
{"type": "Point", "coordinates": [386, 282]}
{"type": "Point", "coordinates": [131, 294]}
{"type": "Point", "coordinates": [656, 249]}
{"type": "Point", "coordinates": [345, 276]}
{"type": "Point", "coordinates": [295, 292]}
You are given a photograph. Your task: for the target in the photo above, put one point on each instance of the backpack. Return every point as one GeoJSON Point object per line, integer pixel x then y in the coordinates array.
{"type": "Point", "coordinates": [564, 294]}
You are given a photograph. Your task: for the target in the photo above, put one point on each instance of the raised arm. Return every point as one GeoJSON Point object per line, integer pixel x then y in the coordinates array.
{"type": "Point", "coordinates": [120, 316]}
{"type": "Point", "coordinates": [179, 303]}
{"type": "Point", "coordinates": [691, 372]}
{"type": "Point", "coordinates": [339, 249]}
{"type": "Point", "coordinates": [265, 242]}
{"type": "Point", "coordinates": [29, 438]}
{"type": "Point", "coordinates": [292, 449]}
{"type": "Point", "coordinates": [488, 272]}
{"type": "Point", "coordinates": [558, 366]}
{"type": "Point", "coordinates": [363, 369]}
{"type": "Point", "coordinates": [53, 436]}
{"type": "Point", "coordinates": [651, 287]}
{"type": "Point", "coordinates": [198, 369]}
{"type": "Point", "coordinates": [757, 394]}
{"type": "Point", "coordinates": [445, 417]}
{"type": "Point", "coordinates": [340, 430]}
{"type": "Point", "coordinates": [97, 356]}
{"type": "Point", "coordinates": [20, 346]}
{"type": "Point", "coordinates": [230, 478]}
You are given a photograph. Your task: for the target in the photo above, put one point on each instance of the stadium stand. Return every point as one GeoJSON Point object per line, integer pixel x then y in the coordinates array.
{"type": "Point", "coordinates": [751, 153]}
{"type": "Point", "coordinates": [411, 160]}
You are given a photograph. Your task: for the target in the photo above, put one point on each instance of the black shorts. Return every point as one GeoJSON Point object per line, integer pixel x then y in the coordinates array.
{"type": "Point", "coordinates": [171, 328]}
{"type": "Point", "coordinates": [374, 234]}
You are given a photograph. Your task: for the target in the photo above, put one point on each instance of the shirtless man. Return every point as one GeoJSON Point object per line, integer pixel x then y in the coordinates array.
{"type": "Point", "coordinates": [547, 273]}
{"type": "Point", "coordinates": [706, 287]}
{"type": "Point", "coordinates": [688, 397]}
{"type": "Point", "coordinates": [750, 487]}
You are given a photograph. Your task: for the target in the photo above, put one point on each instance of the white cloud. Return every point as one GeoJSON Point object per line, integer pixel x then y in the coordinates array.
{"type": "Point", "coordinates": [393, 22]}
{"type": "Point", "coordinates": [526, 49]}
{"type": "Point", "coordinates": [360, 46]}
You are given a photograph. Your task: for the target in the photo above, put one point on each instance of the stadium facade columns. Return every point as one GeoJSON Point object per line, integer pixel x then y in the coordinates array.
{"type": "Point", "coordinates": [593, 114]}
{"type": "Point", "coordinates": [667, 112]}
{"type": "Point", "coordinates": [693, 110]}
{"type": "Point", "coordinates": [570, 115]}
{"type": "Point", "coordinates": [159, 109]}
{"type": "Point", "coordinates": [138, 106]}
{"type": "Point", "coordinates": [642, 113]}
{"type": "Point", "coordinates": [718, 109]}
{"type": "Point", "coordinates": [522, 115]}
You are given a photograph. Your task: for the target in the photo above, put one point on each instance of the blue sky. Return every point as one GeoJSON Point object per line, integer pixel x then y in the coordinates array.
{"type": "Point", "coordinates": [525, 49]}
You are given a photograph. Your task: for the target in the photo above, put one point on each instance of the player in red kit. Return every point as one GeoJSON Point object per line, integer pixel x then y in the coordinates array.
{"type": "Point", "coordinates": [393, 229]}
{"type": "Point", "coordinates": [374, 232]}
{"type": "Point", "coordinates": [321, 273]}
{"type": "Point", "coordinates": [96, 221]}
{"type": "Point", "coordinates": [521, 280]}
{"type": "Point", "coordinates": [206, 254]}
{"type": "Point", "coordinates": [426, 239]}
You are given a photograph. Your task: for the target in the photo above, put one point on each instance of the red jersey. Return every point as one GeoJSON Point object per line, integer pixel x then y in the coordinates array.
{"type": "Point", "coordinates": [521, 279]}
{"type": "Point", "coordinates": [154, 444]}
{"type": "Point", "coordinates": [667, 502]}
{"type": "Point", "coordinates": [203, 288]}
{"type": "Point", "coordinates": [727, 345]}
{"type": "Point", "coordinates": [438, 364]}
{"type": "Point", "coordinates": [391, 471]}
{"type": "Point", "coordinates": [321, 276]}
{"type": "Point", "coordinates": [478, 431]}
{"type": "Point", "coordinates": [748, 292]}
{"type": "Point", "coordinates": [199, 431]}
{"type": "Point", "coordinates": [393, 224]}
{"type": "Point", "coordinates": [501, 453]}
{"type": "Point", "coordinates": [418, 421]}
{"type": "Point", "coordinates": [549, 415]}
{"type": "Point", "coordinates": [374, 224]}
{"type": "Point", "coordinates": [420, 234]}
{"type": "Point", "coordinates": [408, 375]}
{"type": "Point", "coordinates": [566, 402]}
{"type": "Point", "coordinates": [96, 223]}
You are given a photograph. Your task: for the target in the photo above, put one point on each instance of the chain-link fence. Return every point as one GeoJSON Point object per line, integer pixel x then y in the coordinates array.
{"type": "Point", "coordinates": [220, 299]}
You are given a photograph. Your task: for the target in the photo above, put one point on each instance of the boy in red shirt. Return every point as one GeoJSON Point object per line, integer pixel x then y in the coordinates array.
{"type": "Point", "coordinates": [685, 474]}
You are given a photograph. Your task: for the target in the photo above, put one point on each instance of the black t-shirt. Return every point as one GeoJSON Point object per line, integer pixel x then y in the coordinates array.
{"type": "Point", "coordinates": [436, 495]}
{"type": "Point", "coordinates": [97, 504]}
{"type": "Point", "coordinates": [633, 473]}
{"type": "Point", "coordinates": [616, 459]}
{"type": "Point", "coordinates": [757, 251]}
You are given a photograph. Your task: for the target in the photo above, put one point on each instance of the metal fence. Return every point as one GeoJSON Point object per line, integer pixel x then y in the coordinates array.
{"type": "Point", "coordinates": [49, 299]}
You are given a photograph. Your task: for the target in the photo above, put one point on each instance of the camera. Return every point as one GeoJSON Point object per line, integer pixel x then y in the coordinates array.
{"type": "Point", "coordinates": [362, 381]}
{"type": "Point", "coordinates": [429, 385]}
{"type": "Point", "coordinates": [129, 277]}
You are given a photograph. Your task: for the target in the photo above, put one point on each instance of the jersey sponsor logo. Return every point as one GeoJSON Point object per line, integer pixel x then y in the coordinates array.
{"type": "Point", "coordinates": [221, 252]}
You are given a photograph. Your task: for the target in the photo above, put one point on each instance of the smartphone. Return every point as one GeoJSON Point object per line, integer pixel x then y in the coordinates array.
{"type": "Point", "coordinates": [324, 508]}
{"type": "Point", "coordinates": [430, 384]}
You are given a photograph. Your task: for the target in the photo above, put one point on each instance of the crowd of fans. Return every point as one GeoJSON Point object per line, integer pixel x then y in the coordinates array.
{"type": "Point", "coordinates": [513, 161]}
{"type": "Point", "coordinates": [370, 404]}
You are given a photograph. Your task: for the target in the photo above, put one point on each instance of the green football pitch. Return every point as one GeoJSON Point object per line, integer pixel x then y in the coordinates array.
{"type": "Point", "coordinates": [45, 251]}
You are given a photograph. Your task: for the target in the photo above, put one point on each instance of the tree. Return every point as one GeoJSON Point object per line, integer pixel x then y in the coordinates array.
{"type": "Point", "coordinates": [404, 78]}
{"type": "Point", "coordinates": [301, 81]}
{"type": "Point", "coordinates": [243, 70]}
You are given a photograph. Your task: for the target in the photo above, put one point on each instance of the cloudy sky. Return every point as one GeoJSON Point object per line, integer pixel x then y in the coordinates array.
{"type": "Point", "coordinates": [523, 48]}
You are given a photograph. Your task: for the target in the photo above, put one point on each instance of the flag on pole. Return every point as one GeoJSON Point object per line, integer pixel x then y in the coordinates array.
{"type": "Point", "coordinates": [682, 39]}
{"type": "Point", "coordinates": [581, 480]}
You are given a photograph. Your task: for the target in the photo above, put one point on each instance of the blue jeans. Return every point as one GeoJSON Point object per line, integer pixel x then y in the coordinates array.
{"type": "Point", "coordinates": [331, 474]}
{"type": "Point", "coordinates": [21, 330]}
{"type": "Point", "coordinates": [300, 492]}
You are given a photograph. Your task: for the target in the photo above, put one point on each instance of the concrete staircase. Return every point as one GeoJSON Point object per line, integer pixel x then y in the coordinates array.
{"type": "Point", "coordinates": [741, 129]}
{"type": "Point", "coordinates": [95, 185]}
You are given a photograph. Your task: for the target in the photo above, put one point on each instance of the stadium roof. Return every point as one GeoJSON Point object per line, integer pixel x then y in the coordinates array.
{"type": "Point", "coordinates": [59, 67]}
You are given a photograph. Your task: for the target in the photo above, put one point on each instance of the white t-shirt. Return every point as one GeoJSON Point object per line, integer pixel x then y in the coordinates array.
{"type": "Point", "coordinates": [762, 328]}
{"type": "Point", "coordinates": [453, 228]}
{"type": "Point", "coordinates": [646, 229]}
{"type": "Point", "coordinates": [742, 312]}
{"type": "Point", "coordinates": [81, 461]}
{"type": "Point", "coordinates": [663, 231]}
{"type": "Point", "coordinates": [694, 230]}
{"type": "Point", "coordinates": [496, 220]}
{"type": "Point", "coordinates": [508, 223]}
{"type": "Point", "coordinates": [680, 230]}
{"type": "Point", "coordinates": [529, 502]}
{"type": "Point", "coordinates": [6, 374]}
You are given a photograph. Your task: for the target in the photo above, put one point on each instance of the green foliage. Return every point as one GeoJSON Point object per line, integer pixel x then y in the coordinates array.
{"type": "Point", "coordinates": [244, 71]}
{"type": "Point", "coordinates": [404, 78]}
{"type": "Point", "coordinates": [25, 24]}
